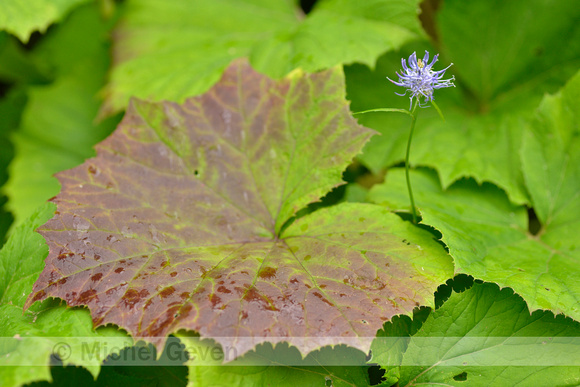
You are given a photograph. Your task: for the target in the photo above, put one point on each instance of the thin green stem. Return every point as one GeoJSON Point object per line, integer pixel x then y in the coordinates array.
{"type": "Point", "coordinates": [384, 110]}
{"type": "Point", "coordinates": [413, 119]}
{"type": "Point", "coordinates": [413, 115]}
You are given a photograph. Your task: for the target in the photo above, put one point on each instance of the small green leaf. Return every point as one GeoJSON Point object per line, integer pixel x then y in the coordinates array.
{"type": "Point", "coordinates": [22, 18]}
{"type": "Point", "coordinates": [29, 338]}
{"type": "Point", "coordinates": [486, 336]}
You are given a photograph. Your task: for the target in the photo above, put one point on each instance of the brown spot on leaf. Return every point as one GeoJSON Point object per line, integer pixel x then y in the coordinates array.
{"type": "Point", "coordinates": [65, 255]}
{"type": "Point", "coordinates": [316, 294]}
{"type": "Point", "coordinates": [267, 273]}
{"type": "Point", "coordinates": [215, 300]}
{"type": "Point", "coordinates": [167, 292]}
{"type": "Point", "coordinates": [86, 296]}
{"type": "Point", "coordinates": [148, 304]}
{"type": "Point", "coordinates": [163, 322]}
{"type": "Point", "coordinates": [253, 296]}
{"type": "Point", "coordinates": [119, 270]}
{"type": "Point", "coordinates": [96, 277]}
{"type": "Point", "coordinates": [173, 274]}
{"type": "Point", "coordinates": [38, 296]}
{"type": "Point", "coordinates": [132, 297]}
{"type": "Point", "coordinates": [223, 289]}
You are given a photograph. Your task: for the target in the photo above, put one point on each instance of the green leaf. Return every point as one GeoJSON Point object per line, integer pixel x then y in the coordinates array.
{"type": "Point", "coordinates": [499, 84]}
{"type": "Point", "coordinates": [491, 66]}
{"type": "Point", "coordinates": [551, 159]}
{"type": "Point", "coordinates": [135, 366]}
{"type": "Point", "coordinates": [16, 65]}
{"type": "Point", "coordinates": [174, 49]}
{"type": "Point", "coordinates": [281, 366]}
{"type": "Point", "coordinates": [179, 223]}
{"type": "Point", "coordinates": [488, 236]}
{"type": "Point", "coordinates": [486, 336]}
{"type": "Point", "coordinates": [28, 249]}
{"type": "Point", "coordinates": [392, 342]}
{"type": "Point", "coordinates": [81, 40]}
{"type": "Point", "coordinates": [22, 18]}
{"type": "Point", "coordinates": [27, 339]}
{"type": "Point", "coordinates": [57, 130]}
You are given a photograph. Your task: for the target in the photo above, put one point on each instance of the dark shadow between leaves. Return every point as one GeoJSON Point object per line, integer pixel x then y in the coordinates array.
{"type": "Point", "coordinates": [352, 173]}
{"type": "Point", "coordinates": [534, 225]}
{"type": "Point", "coordinates": [134, 366]}
{"type": "Point", "coordinates": [458, 284]}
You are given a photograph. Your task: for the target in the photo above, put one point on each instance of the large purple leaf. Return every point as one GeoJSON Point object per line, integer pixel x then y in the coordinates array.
{"type": "Point", "coordinates": [177, 223]}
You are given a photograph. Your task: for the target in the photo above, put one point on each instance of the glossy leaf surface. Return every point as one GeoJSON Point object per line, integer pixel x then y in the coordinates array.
{"type": "Point", "coordinates": [177, 223]}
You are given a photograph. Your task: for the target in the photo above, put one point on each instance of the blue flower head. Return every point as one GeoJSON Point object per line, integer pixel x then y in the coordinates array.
{"type": "Point", "coordinates": [420, 79]}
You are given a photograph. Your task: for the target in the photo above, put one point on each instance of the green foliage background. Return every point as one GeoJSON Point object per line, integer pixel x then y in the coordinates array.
{"type": "Point", "coordinates": [498, 182]}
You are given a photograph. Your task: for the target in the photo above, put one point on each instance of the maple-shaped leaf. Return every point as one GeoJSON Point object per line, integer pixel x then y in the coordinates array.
{"type": "Point", "coordinates": [178, 222]}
